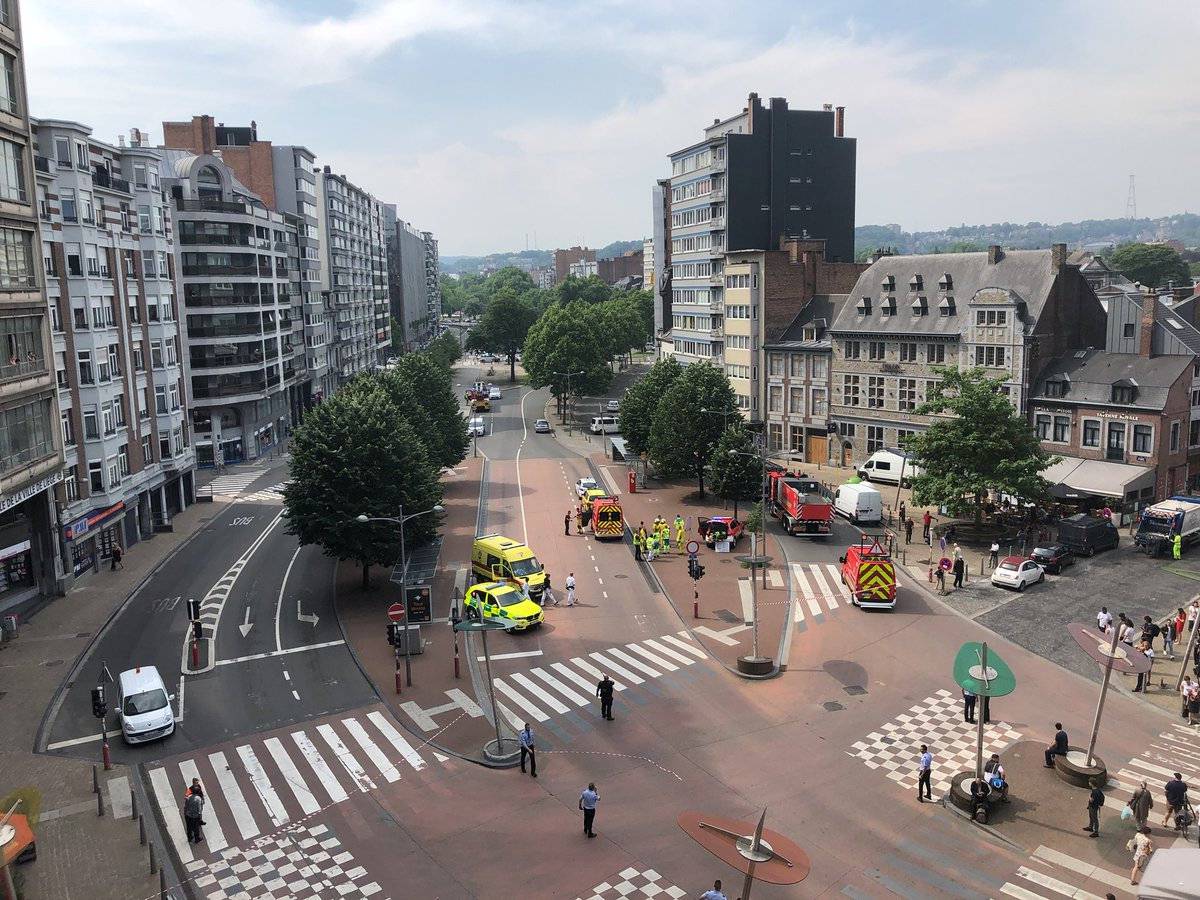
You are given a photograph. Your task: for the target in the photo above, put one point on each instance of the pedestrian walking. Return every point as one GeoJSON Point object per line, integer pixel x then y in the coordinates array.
{"type": "Point", "coordinates": [1060, 746]}
{"type": "Point", "coordinates": [587, 802]}
{"type": "Point", "coordinates": [1141, 846]}
{"type": "Point", "coordinates": [1177, 798]}
{"type": "Point", "coordinates": [901, 510]}
{"type": "Point", "coordinates": [1140, 805]}
{"type": "Point", "coordinates": [959, 568]}
{"type": "Point", "coordinates": [567, 523]}
{"type": "Point", "coordinates": [924, 773]}
{"type": "Point", "coordinates": [193, 812]}
{"type": "Point", "coordinates": [1180, 623]}
{"type": "Point", "coordinates": [117, 554]}
{"type": "Point", "coordinates": [1095, 801]}
{"type": "Point", "coordinates": [941, 580]}
{"type": "Point", "coordinates": [604, 690]}
{"type": "Point", "coordinates": [1168, 635]}
{"type": "Point", "coordinates": [1104, 620]}
{"type": "Point", "coordinates": [528, 749]}
{"type": "Point", "coordinates": [908, 529]}
{"type": "Point", "coordinates": [1143, 679]}
{"type": "Point", "coordinates": [926, 521]}
{"type": "Point", "coordinates": [716, 893]}
{"type": "Point", "coordinates": [1192, 611]}
{"type": "Point", "coordinates": [548, 595]}
{"type": "Point", "coordinates": [994, 554]}
{"type": "Point", "coordinates": [1185, 690]}
{"type": "Point", "coordinates": [968, 706]}
{"type": "Point", "coordinates": [570, 590]}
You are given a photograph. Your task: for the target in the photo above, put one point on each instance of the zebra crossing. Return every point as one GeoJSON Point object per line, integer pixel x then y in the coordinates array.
{"type": "Point", "coordinates": [259, 786]}
{"type": "Point", "coordinates": [1050, 873]}
{"type": "Point", "coordinates": [1174, 750]}
{"type": "Point", "coordinates": [819, 593]}
{"type": "Point", "coordinates": [272, 494]}
{"type": "Point", "coordinates": [233, 483]}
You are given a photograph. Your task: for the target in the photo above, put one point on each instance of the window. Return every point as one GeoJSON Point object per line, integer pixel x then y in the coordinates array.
{"type": "Point", "coordinates": [119, 409]}
{"type": "Point", "coordinates": [820, 402]}
{"type": "Point", "coordinates": [81, 155]}
{"type": "Point", "coordinates": [796, 439]}
{"type": "Point", "coordinates": [156, 354]}
{"type": "Point", "coordinates": [853, 350]}
{"type": "Point", "coordinates": [86, 376]}
{"type": "Point", "coordinates": [66, 203]}
{"type": "Point", "coordinates": [71, 484]}
{"type": "Point", "coordinates": [86, 207]}
{"type": "Point", "coordinates": [775, 364]}
{"type": "Point", "coordinates": [92, 255]}
{"type": "Point", "coordinates": [139, 174]}
{"type": "Point", "coordinates": [797, 365]}
{"type": "Point", "coordinates": [920, 306]}
{"type": "Point", "coordinates": [160, 398]}
{"type": "Point", "coordinates": [875, 392]}
{"type": "Point", "coordinates": [1174, 437]}
{"type": "Point", "coordinates": [774, 398]}
{"type": "Point", "coordinates": [946, 282]}
{"type": "Point", "coordinates": [1116, 441]}
{"type": "Point", "coordinates": [847, 429]}
{"type": "Point", "coordinates": [174, 389]}
{"type": "Point", "coordinates": [144, 218]}
{"type": "Point", "coordinates": [147, 450]}
{"type": "Point", "coordinates": [774, 436]}
{"type": "Point", "coordinates": [1194, 433]}
{"type": "Point", "coordinates": [91, 423]}
{"type": "Point", "coordinates": [12, 171]}
{"type": "Point", "coordinates": [1123, 393]}
{"type": "Point", "coordinates": [1056, 387]}
{"type": "Point", "coordinates": [62, 151]}
{"type": "Point", "coordinates": [107, 418]}
{"type": "Point", "coordinates": [96, 476]}
{"type": "Point", "coordinates": [139, 358]}
{"type": "Point", "coordinates": [1042, 426]}
{"type": "Point", "coordinates": [16, 259]}
{"type": "Point", "coordinates": [796, 401]}
{"type": "Point", "coordinates": [990, 356]}
{"type": "Point", "coordinates": [935, 353]}
{"type": "Point", "coordinates": [916, 283]}
{"type": "Point", "coordinates": [123, 460]}
{"type": "Point", "coordinates": [876, 350]}
{"type": "Point", "coordinates": [946, 307]}
{"type": "Point", "coordinates": [864, 306]}
{"type": "Point", "coordinates": [68, 429]}
{"type": "Point", "coordinates": [820, 368]}
{"type": "Point", "coordinates": [1127, 330]}
{"type": "Point", "coordinates": [907, 396]}
{"type": "Point", "coordinates": [1062, 429]}
{"type": "Point", "coordinates": [874, 438]}
{"type": "Point", "coordinates": [991, 317]}
{"type": "Point", "coordinates": [164, 448]}
{"type": "Point", "coordinates": [1091, 433]}
{"type": "Point", "coordinates": [850, 388]}
{"type": "Point", "coordinates": [1143, 438]}
{"type": "Point", "coordinates": [908, 352]}
{"type": "Point", "coordinates": [887, 307]}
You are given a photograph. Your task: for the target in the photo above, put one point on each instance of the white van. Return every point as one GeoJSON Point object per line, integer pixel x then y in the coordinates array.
{"type": "Point", "coordinates": [860, 503]}
{"type": "Point", "coordinates": [476, 428]}
{"type": "Point", "coordinates": [605, 425]}
{"type": "Point", "coordinates": [143, 706]}
{"type": "Point", "coordinates": [889, 466]}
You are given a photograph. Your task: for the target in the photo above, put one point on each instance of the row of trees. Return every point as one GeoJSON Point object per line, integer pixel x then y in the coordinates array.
{"type": "Point", "coordinates": [376, 446]}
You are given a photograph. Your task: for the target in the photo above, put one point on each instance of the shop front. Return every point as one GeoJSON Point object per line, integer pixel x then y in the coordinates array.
{"type": "Point", "coordinates": [90, 538]}
{"type": "Point", "coordinates": [27, 557]}
{"type": "Point", "coordinates": [1089, 485]}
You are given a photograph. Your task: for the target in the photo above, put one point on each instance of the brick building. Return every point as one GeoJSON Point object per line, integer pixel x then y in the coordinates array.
{"type": "Point", "coordinates": [627, 265]}
{"type": "Point", "coordinates": [563, 259]}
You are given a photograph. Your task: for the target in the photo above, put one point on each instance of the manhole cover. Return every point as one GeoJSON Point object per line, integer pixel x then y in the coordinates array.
{"type": "Point", "coordinates": [727, 616]}
{"type": "Point", "coordinates": [620, 576]}
{"type": "Point", "coordinates": [724, 561]}
{"type": "Point", "coordinates": [887, 740]}
{"type": "Point", "coordinates": [832, 706]}
{"type": "Point", "coordinates": [854, 690]}
{"type": "Point", "coordinates": [51, 663]}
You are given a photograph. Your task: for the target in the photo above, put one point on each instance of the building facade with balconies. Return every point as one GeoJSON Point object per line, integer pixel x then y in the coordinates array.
{"type": "Point", "coordinates": [412, 306]}
{"type": "Point", "coordinates": [244, 345]}
{"type": "Point", "coordinates": [108, 257]}
{"type": "Point", "coordinates": [433, 279]}
{"type": "Point", "coordinates": [31, 453]}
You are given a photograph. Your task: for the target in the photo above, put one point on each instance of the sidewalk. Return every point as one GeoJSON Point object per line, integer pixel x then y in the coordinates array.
{"type": "Point", "coordinates": [78, 852]}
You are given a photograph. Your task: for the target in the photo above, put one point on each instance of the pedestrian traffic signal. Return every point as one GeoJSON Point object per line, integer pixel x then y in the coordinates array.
{"type": "Point", "coordinates": [699, 571]}
{"type": "Point", "coordinates": [692, 563]}
{"type": "Point", "coordinates": [393, 634]}
{"type": "Point", "coordinates": [99, 706]}
{"type": "Point", "coordinates": [197, 631]}
{"type": "Point", "coordinates": [193, 609]}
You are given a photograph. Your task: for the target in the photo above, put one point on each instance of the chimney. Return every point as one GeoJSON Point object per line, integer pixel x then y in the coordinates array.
{"type": "Point", "coordinates": [839, 122]}
{"type": "Point", "coordinates": [995, 254]}
{"type": "Point", "coordinates": [1058, 255]}
{"type": "Point", "coordinates": [1149, 317]}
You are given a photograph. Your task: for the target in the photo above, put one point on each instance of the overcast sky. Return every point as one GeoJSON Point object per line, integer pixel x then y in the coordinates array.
{"type": "Point", "coordinates": [487, 121]}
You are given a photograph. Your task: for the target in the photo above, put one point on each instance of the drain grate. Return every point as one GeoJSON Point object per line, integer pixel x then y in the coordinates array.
{"type": "Point", "coordinates": [832, 706]}
{"type": "Point", "coordinates": [854, 690]}
{"type": "Point", "coordinates": [726, 615]}
{"type": "Point", "coordinates": [620, 576]}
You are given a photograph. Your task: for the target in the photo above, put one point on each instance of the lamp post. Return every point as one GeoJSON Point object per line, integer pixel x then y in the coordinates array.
{"type": "Point", "coordinates": [567, 397]}
{"type": "Point", "coordinates": [723, 413]}
{"type": "Point", "coordinates": [754, 663]}
{"type": "Point", "coordinates": [399, 520]}
{"type": "Point", "coordinates": [762, 500]}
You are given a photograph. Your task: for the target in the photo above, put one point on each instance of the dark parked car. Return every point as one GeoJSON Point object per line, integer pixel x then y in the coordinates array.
{"type": "Point", "coordinates": [1054, 558]}
{"type": "Point", "coordinates": [1086, 534]}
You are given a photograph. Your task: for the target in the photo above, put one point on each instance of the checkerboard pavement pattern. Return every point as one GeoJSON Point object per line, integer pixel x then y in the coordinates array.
{"type": "Point", "coordinates": [938, 722]}
{"type": "Point", "coordinates": [305, 862]}
{"type": "Point", "coordinates": [636, 884]}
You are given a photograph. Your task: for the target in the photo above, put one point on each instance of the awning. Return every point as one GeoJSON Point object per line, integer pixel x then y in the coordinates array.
{"type": "Point", "coordinates": [1073, 478]}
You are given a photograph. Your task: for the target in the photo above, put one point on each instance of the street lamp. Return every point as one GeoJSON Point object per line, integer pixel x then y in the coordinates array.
{"type": "Point", "coordinates": [364, 519]}
{"type": "Point", "coordinates": [757, 559]}
{"type": "Point", "coordinates": [567, 398]}
{"type": "Point", "coordinates": [723, 413]}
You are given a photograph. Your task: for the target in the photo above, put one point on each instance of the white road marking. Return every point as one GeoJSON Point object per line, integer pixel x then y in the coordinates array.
{"type": "Point", "coordinates": [633, 661]}
{"type": "Point", "coordinates": [73, 742]}
{"type": "Point", "coordinates": [776, 579]}
{"type": "Point", "coordinates": [587, 667]}
{"type": "Point", "coordinates": [545, 696]}
{"type": "Point", "coordinates": [519, 700]}
{"type": "Point", "coordinates": [661, 663]}
{"type": "Point", "coordinates": [294, 694]}
{"type": "Point", "coordinates": [1085, 869]}
{"type": "Point", "coordinates": [574, 696]}
{"type": "Point", "coordinates": [279, 600]}
{"type": "Point", "coordinates": [377, 756]}
{"type": "Point", "coordinates": [835, 578]}
{"type": "Point", "coordinates": [291, 775]}
{"type": "Point", "coordinates": [164, 795]}
{"type": "Point", "coordinates": [830, 594]}
{"type": "Point", "coordinates": [320, 768]}
{"type": "Point", "coordinates": [213, 833]}
{"type": "Point", "coordinates": [232, 793]}
{"type": "Point", "coordinates": [262, 785]}
{"type": "Point", "coordinates": [519, 655]}
{"type": "Point", "coordinates": [1053, 884]}
{"type": "Point", "coordinates": [684, 645]}
{"type": "Point", "coordinates": [304, 649]}
{"type": "Point", "coordinates": [617, 668]}
{"type": "Point", "coordinates": [806, 592]}
{"type": "Point", "coordinates": [397, 740]}
{"type": "Point", "coordinates": [346, 758]}
{"type": "Point", "coordinates": [668, 652]}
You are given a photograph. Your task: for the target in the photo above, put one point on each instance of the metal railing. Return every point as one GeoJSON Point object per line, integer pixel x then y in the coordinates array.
{"type": "Point", "coordinates": [23, 368]}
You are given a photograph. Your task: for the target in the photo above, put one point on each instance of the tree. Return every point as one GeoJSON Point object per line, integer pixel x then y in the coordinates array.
{"type": "Point", "coordinates": [567, 339]}
{"type": "Point", "coordinates": [504, 325]}
{"type": "Point", "coordinates": [445, 350]}
{"type": "Point", "coordinates": [640, 403]}
{"type": "Point", "coordinates": [734, 468]}
{"type": "Point", "coordinates": [589, 290]}
{"type": "Point", "coordinates": [445, 431]}
{"type": "Point", "coordinates": [355, 454]}
{"type": "Point", "coordinates": [987, 445]}
{"type": "Point", "coordinates": [682, 437]}
{"type": "Point", "coordinates": [1151, 264]}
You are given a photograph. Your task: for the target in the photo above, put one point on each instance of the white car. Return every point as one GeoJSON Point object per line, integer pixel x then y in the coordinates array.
{"type": "Point", "coordinates": [143, 706]}
{"type": "Point", "coordinates": [476, 428]}
{"type": "Point", "coordinates": [613, 406]}
{"type": "Point", "coordinates": [585, 484]}
{"type": "Point", "coordinates": [1017, 572]}
{"type": "Point", "coordinates": [494, 393]}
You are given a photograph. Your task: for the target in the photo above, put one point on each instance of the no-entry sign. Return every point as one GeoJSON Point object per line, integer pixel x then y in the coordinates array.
{"type": "Point", "coordinates": [396, 612]}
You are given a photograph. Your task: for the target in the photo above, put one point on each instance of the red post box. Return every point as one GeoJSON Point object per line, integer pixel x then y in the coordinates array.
{"type": "Point", "coordinates": [632, 481]}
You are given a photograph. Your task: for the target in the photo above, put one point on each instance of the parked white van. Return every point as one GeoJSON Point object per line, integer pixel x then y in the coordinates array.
{"type": "Point", "coordinates": [860, 503]}
{"type": "Point", "coordinates": [605, 425]}
{"type": "Point", "coordinates": [476, 428]}
{"type": "Point", "coordinates": [143, 706]}
{"type": "Point", "coordinates": [888, 465]}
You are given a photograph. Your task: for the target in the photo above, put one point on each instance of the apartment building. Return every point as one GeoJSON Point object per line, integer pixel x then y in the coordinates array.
{"type": "Point", "coordinates": [353, 273]}
{"type": "Point", "coordinates": [765, 174]}
{"type": "Point", "coordinates": [108, 248]}
{"type": "Point", "coordinates": [1007, 312]}
{"type": "Point", "coordinates": [648, 281]}
{"type": "Point", "coordinates": [235, 259]}
{"type": "Point", "coordinates": [411, 305]}
{"type": "Point", "coordinates": [617, 268]}
{"type": "Point", "coordinates": [660, 236]}
{"type": "Point", "coordinates": [564, 259]}
{"type": "Point", "coordinates": [31, 454]}
{"type": "Point", "coordinates": [584, 268]}
{"type": "Point", "coordinates": [433, 278]}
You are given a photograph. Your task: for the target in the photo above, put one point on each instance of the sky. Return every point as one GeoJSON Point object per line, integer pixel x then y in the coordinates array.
{"type": "Point", "coordinates": [490, 122]}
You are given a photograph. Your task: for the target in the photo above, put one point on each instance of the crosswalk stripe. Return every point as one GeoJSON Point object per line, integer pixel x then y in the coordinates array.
{"type": "Point", "coordinates": [616, 667]}
{"type": "Point", "coordinates": [823, 590]}
{"type": "Point", "coordinates": [242, 817]}
{"type": "Point", "coordinates": [161, 784]}
{"type": "Point", "coordinates": [1085, 869]}
{"type": "Point", "coordinates": [513, 719]}
{"type": "Point", "coordinates": [1150, 767]}
{"type": "Point", "coordinates": [1059, 887]}
{"type": "Point", "coordinates": [626, 658]}
{"type": "Point", "coordinates": [214, 836]}
{"type": "Point", "coordinates": [346, 758]}
{"type": "Point", "coordinates": [397, 740]}
{"type": "Point", "coordinates": [320, 768]}
{"type": "Point", "coordinates": [535, 689]}
{"type": "Point", "coordinates": [1182, 748]}
{"type": "Point", "coordinates": [520, 701]}
{"type": "Point", "coordinates": [1012, 890]}
{"type": "Point", "coordinates": [805, 592]}
{"type": "Point", "coordinates": [570, 674]}
{"type": "Point", "coordinates": [835, 578]}
{"type": "Point", "coordinates": [668, 652]}
{"type": "Point", "coordinates": [574, 696]}
{"type": "Point", "coordinates": [684, 645]}
{"type": "Point", "coordinates": [593, 671]}
{"type": "Point", "coordinates": [377, 756]}
{"type": "Point", "coordinates": [775, 578]}
{"type": "Point", "coordinates": [262, 785]}
{"type": "Point", "coordinates": [658, 661]}
{"type": "Point", "coordinates": [292, 776]}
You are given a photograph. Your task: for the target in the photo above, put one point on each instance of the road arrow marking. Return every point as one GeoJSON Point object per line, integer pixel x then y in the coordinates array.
{"type": "Point", "coordinates": [245, 627]}
{"type": "Point", "coordinates": [311, 620]}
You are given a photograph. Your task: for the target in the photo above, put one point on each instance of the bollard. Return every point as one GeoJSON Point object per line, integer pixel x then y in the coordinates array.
{"type": "Point", "coordinates": [456, 673]}
{"type": "Point", "coordinates": [133, 803]}
{"type": "Point", "coordinates": [141, 831]}
{"type": "Point", "coordinates": [99, 804]}
{"type": "Point", "coordinates": [153, 860]}
{"type": "Point", "coordinates": [398, 676]}
{"type": "Point", "coordinates": [105, 754]}
{"type": "Point", "coordinates": [195, 654]}
{"type": "Point", "coordinates": [162, 883]}
{"type": "Point", "coordinates": [95, 780]}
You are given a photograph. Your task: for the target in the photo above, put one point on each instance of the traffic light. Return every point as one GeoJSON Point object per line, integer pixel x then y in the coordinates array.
{"type": "Point", "coordinates": [197, 631]}
{"type": "Point", "coordinates": [699, 571]}
{"type": "Point", "coordinates": [692, 563]}
{"type": "Point", "coordinates": [193, 606]}
{"type": "Point", "coordinates": [99, 707]}
{"type": "Point", "coordinates": [394, 633]}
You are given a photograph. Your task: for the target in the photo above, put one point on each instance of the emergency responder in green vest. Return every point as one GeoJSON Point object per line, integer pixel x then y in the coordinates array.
{"type": "Point", "coordinates": [651, 546]}
{"type": "Point", "coordinates": [1176, 545]}
{"type": "Point", "coordinates": [639, 541]}
{"type": "Point", "coordinates": [680, 533]}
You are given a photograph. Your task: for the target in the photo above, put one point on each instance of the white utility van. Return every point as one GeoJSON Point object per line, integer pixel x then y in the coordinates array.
{"type": "Point", "coordinates": [860, 503]}
{"type": "Point", "coordinates": [605, 425]}
{"type": "Point", "coordinates": [476, 428]}
{"type": "Point", "coordinates": [143, 706]}
{"type": "Point", "coordinates": [889, 466]}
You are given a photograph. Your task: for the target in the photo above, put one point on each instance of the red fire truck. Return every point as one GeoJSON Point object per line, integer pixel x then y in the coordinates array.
{"type": "Point", "coordinates": [798, 503]}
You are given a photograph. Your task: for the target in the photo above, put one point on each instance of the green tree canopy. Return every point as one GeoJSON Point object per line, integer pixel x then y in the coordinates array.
{"type": "Point", "coordinates": [987, 445]}
{"type": "Point", "coordinates": [682, 437]}
{"type": "Point", "coordinates": [734, 468]}
{"type": "Point", "coordinates": [445, 349]}
{"type": "Point", "coordinates": [504, 325]}
{"type": "Point", "coordinates": [567, 339]}
{"type": "Point", "coordinates": [589, 290]}
{"type": "Point", "coordinates": [354, 454]}
{"type": "Point", "coordinates": [640, 403]}
{"type": "Point", "coordinates": [442, 426]}
{"type": "Point", "coordinates": [1151, 264]}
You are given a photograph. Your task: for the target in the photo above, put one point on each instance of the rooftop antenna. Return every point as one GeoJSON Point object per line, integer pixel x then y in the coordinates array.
{"type": "Point", "coordinates": [1131, 202]}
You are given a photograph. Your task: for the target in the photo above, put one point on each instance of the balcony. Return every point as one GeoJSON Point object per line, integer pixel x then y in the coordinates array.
{"type": "Point", "coordinates": [42, 163]}
{"type": "Point", "coordinates": [717, 165]}
{"type": "Point", "coordinates": [23, 369]}
{"type": "Point", "coordinates": [219, 206]}
{"type": "Point", "coordinates": [200, 271]}
{"type": "Point", "coordinates": [216, 240]}
{"type": "Point", "coordinates": [216, 331]}
{"type": "Point", "coordinates": [203, 389]}
{"type": "Point", "coordinates": [717, 193]}
{"type": "Point", "coordinates": [101, 178]}
{"type": "Point", "coordinates": [716, 224]}
{"type": "Point", "coordinates": [717, 278]}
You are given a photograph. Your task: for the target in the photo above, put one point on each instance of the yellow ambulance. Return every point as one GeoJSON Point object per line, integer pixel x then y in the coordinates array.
{"type": "Point", "coordinates": [495, 557]}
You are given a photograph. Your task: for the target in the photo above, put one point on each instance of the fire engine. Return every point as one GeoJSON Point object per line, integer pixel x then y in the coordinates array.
{"type": "Point", "coordinates": [868, 571]}
{"type": "Point", "coordinates": [798, 503]}
{"type": "Point", "coordinates": [607, 518]}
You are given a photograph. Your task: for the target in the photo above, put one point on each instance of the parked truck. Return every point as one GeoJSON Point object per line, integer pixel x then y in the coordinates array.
{"type": "Point", "coordinates": [797, 502]}
{"type": "Point", "coordinates": [1159, 524]}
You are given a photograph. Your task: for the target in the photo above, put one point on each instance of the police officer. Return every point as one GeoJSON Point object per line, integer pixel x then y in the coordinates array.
{"type": "Point", "coordinates": [604, 690]}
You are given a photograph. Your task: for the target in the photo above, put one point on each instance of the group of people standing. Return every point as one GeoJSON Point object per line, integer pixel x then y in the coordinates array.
{"type": "Point", "coordinates": [1141, 639]}
{"type": "Point", "coordinates": [655, 541]}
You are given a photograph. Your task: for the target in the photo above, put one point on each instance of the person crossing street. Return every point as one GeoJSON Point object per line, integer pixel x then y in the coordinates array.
{"type": "Point", "coordinates": [193, 812]}
{"type": "Point", "coordinates": [587, 802]}
{"type": "Point", "coordinates": [604, 690]}
{"type": "Point", "coordinates": [528, 748]}
{"type": "Point", "coordinates": [570, 593]}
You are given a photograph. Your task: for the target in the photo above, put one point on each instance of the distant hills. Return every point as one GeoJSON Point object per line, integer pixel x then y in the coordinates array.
{"type": "Point", "coordinates": [524, 259]}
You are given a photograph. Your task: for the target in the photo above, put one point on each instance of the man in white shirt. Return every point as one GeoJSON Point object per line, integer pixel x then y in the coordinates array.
{"type": "Point", "coordinates": [1104, 619]}
{"type": "Point", "coordinates": [1185, 693]}
{"type": "Point", "coordinates": [571, 589]}
{"type": "Point", "coordinates": [716, 893]}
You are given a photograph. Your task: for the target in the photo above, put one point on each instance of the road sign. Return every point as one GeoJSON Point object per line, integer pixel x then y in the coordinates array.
{"type": "Point", "coordinates": [693, 547]}
{"type": "Point", "coordinates": [396, 612]}
{"type": "Point", "coordinates": [420, 608]}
